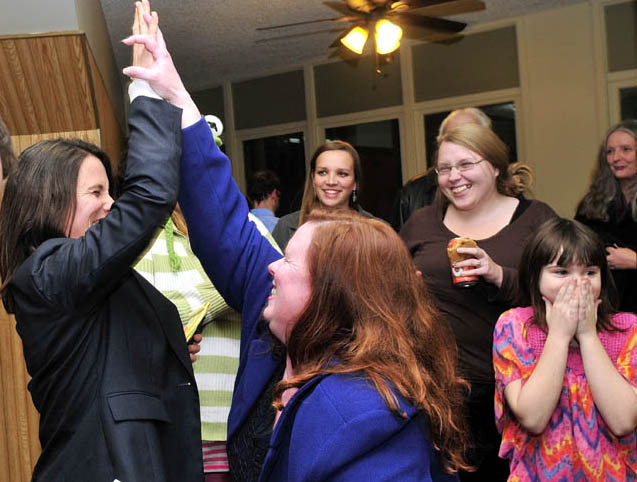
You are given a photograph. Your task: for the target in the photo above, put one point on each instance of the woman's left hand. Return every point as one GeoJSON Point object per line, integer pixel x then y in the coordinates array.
{"type": "Point", "coordinates": [587, 315]}
{"type": "Point", "coordinates": [482, 265]}
{"type": "Point", "coordinates": [621, 258]}
{"type": "Point", "coordinates": [193, 346]}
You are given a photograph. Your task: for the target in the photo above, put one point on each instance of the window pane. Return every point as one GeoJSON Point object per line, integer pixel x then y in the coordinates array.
{"type": "Point", "coordinates": [474, 63]}
{"type": "Point", "coordinates": [378, 144]}
{"type": "Point", "coordinates": [628, 103]}
{"type": "Point", "coordinates": [502, 118]}
{"type": "Point", "coordinates": [275, 99]}
{"type": "Point", "coordinates": [285, 155]}
{"type": "Point", "coordinates": [210, 101]}
{"type": "Point", "coordinates": [621, 36]}
{"type": "Point", "coordinates": [342, 88]}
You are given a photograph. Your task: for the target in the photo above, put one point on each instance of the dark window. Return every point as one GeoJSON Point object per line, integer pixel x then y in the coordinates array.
{"type": "Point", "coordinates": [285, 155]}
{"type": "Point", "coordinates": [503, 123]}
{"type": "Point", "coordinates": [378, 144]}
{"type": "Point", "coordinates": [628, 103]}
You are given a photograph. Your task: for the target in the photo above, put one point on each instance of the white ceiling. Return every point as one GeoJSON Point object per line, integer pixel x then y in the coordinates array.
{"type": "Point", "coordinates": [215, 40]}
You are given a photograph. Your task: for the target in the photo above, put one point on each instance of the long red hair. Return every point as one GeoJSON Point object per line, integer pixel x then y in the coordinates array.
{"type": "Point", "coordinates": [371, 312]}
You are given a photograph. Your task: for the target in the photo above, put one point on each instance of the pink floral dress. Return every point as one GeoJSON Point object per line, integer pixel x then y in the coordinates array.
{"type": "Point", "coordinates": [576, 444]}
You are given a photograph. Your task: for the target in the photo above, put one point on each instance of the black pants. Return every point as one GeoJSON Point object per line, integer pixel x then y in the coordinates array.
{"type": "Point", "coordinates": [485, 439]}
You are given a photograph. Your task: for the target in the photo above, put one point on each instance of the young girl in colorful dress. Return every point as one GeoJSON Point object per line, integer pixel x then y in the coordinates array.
{"type": "Point", "coordinates": [566, 365]}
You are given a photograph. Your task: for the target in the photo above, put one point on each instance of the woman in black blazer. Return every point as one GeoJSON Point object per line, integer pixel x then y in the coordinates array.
{"type": "Point", "coordinates": [111, 375]}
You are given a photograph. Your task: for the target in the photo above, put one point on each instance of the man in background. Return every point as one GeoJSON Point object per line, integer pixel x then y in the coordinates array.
{"type": "Point", "coordinates": [263, 196]}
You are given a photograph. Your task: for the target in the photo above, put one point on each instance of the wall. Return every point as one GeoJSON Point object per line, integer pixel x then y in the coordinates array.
{"type": "Point", "coordinates": [90, 19]}
{"type": "Point", "coordinates": [34, 16]}
{"type": "Point", "coordinates": [560, 114]}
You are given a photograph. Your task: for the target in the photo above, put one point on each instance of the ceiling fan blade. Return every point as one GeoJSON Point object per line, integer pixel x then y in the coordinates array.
{"type": "Point", "coordinates": [348, 18]}
{"type": "Point", "coordinates": [447, 8]}
{"type": "Point", "coordinates": [279, 36]}
{"type": "Point", "coordinates": [340, 7]}
{"type": "Point", "coordinates": [337, 40]}
{"type": "Point", "coordinates": [416, 32]}
{"type": "Point", "coordinates": [404, 5]}
{"type": "Point", "coordinates": [429, 23]}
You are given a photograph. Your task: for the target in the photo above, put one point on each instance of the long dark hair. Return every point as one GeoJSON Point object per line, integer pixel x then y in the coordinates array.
{"type": "Point", "coordinates": [310, 199]}
{"type": "Point", "coordinates": [40, 198]}
{"type": "Point", "coordinates": [370, 311]}
{"type": "Point", "coordinates": [569, 242]}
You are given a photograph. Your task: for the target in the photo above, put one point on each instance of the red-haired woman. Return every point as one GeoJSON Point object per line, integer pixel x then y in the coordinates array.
{"type": "Point", "coordinates": [366, 386]}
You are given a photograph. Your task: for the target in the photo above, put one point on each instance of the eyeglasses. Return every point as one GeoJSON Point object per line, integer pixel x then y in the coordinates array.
{"type": "Point", "coordinates": [462, 166]}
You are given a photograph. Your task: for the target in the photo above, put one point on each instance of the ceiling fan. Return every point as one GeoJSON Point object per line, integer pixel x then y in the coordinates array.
{"type": "Point", "coordinates": [391, 19]}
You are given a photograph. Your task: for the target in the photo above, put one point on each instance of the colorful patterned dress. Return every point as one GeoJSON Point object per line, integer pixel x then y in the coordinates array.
{"type": "Point", "coordinates": [576, 444]}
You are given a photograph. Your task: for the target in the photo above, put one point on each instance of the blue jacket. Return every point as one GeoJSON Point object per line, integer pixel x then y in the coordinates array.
{"type": "Point", "coordinates": [338, 428]}
{"type": "Point", "coordinates": [344, 430]}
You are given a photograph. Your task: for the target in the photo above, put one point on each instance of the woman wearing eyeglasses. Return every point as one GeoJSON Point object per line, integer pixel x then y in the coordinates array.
{"type": "Point", "coordinates": [610, 207]}
{"type": "Point", "coordinates": [479, 197]}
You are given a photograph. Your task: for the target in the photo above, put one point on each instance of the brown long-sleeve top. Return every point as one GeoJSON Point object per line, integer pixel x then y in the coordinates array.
{"type": "Point", "coordinates": [472, 312]}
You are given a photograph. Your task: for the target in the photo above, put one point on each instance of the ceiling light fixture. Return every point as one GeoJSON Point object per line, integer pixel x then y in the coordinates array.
{"type": "Point", "coordinates": [355, 39]}
{"type": "Point", "coordinates": [388, 36]}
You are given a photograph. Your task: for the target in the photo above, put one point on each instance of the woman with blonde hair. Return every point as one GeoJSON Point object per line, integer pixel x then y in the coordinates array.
{"type": "Point", "coordinates": [332, 182]}
{"type": "Point", "coordinates": [479, 197]}
{"type": "Point", "coordinates": [420, 191]}
{"type": "Point", "coordinates": [610, 208]}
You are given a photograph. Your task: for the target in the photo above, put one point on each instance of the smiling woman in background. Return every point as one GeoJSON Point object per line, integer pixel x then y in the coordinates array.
{"type": "Point", "coordinates": [610, 208]}
{"type": "Point", "coordinates": [332, 182]}
{"type": "Point", "coordinates": [479, 198]}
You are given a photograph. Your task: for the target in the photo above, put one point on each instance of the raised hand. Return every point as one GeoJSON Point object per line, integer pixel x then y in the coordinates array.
{"type": "Point", "coordinates": [562, 316]}
{"type": "Point", "coordinates": [161, 74]}
{"type": "Point", "coordinates": [145, 23]}
{"type": "Point", "coordinates": [158, 69]}
{"type": "Point", "coordinates": [587, 312]}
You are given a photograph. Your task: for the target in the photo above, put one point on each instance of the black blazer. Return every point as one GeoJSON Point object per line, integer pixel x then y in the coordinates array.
{"type": "Point", "coordinates": [111, 375]}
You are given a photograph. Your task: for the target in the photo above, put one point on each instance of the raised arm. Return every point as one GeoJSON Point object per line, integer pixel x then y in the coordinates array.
{"type": "Point", "coordinates": [231, 249]}
{"type": "Point", "coordinates": [97, 260]}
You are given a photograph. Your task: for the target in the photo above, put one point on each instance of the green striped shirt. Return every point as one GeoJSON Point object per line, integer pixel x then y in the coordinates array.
{"type": "Point", "coordinates": [189, 289]}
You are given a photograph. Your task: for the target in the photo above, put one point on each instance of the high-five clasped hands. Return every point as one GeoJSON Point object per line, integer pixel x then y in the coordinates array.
{"type": "Point", "coordinates": [152, 62]}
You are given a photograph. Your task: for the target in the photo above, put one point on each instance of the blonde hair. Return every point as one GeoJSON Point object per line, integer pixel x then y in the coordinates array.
{"type": "Point", "coordinates": [513, 179]}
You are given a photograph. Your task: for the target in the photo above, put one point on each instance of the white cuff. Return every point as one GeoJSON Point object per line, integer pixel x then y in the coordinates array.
{"type": "Point", "coordinates": [141, 87]}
